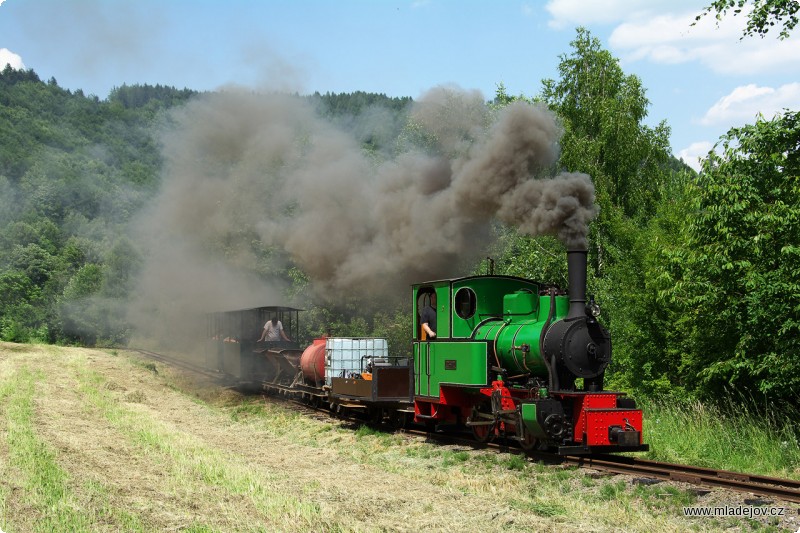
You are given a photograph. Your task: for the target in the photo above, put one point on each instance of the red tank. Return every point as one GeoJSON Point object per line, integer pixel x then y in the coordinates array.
{"type": "Point", "coordinates": [312, 362]}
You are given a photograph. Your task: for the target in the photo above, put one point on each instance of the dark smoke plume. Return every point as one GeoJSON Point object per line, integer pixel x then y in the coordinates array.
{"type": "Point", "coordinates": [240, 163]}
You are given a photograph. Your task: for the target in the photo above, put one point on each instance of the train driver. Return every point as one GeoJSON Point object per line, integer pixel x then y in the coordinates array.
{"type": "Point", "coordinates": [428, 317]}
{"type": "Point", "coordinates": [273, 331]}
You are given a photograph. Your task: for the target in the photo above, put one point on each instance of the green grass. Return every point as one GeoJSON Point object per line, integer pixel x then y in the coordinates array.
{"type": "Point", "coordinates": [546, 509]}
{"type": "Point", "coordinates": [188, 462]}
{"type": "Point", "coordinates": [32, 465]}
{"type": "Point", "coordinates": [451, 458]}
{"type": "Point", "coordinates": [735, 438]}
{"type": "Point", "coordinates": [514, 462]}
{"type": "Point", "coordinates": [515, 492]}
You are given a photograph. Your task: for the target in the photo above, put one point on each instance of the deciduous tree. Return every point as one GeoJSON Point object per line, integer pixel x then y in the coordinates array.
{"type": "Point", "coordinates": [737, 278]}
{"type": "Point", "coordinates": [762, 15]}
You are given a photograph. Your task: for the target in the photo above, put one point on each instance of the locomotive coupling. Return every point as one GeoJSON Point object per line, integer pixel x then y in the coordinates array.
{"type": "Point", "coordinates": [623, 437]}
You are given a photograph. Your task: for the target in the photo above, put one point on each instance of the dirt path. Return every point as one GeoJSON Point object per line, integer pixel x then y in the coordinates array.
{"type": "Point", "coordinates": [136, 446]}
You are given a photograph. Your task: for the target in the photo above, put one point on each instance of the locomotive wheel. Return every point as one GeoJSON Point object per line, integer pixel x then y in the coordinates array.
{"type": "Point", "coordinates": [528, 442]}
{"type": "Point", "coordinates": [482, 433]}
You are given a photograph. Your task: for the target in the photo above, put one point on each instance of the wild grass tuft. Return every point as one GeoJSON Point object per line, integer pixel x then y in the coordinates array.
{"type": "Point", "coordinates": [611, 490]}
{"type": "Point", "coordinates": [733, 437]}
{"type": "Point", "coordinates": [450, 458]}
{"type": "Point", "coordinates": [514, 462]}
{"type": "Point", "coordinates": [365, 430]}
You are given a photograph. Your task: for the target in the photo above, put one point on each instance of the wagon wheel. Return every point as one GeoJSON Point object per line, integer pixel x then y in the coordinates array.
{"type": "Point", "coordinates": [483, 432]}
{"type": "Point", "coordinates": [397, 419]}
{"type": "Point", "coordinates": [375, 416]}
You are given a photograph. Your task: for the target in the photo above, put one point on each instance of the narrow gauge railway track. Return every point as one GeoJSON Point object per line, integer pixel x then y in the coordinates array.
{"type": "Point", "coordinates": [782, 489]}
{"type": "Point", "coordinates": [765, 486]}
{"type": "Point", "coordinates": [178, 363]}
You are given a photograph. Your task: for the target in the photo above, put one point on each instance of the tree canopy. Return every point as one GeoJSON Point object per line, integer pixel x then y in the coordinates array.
{"type": "Point", "coordinates": [736, 278]}
{"type": "Point", "coordinates": [762, 15]}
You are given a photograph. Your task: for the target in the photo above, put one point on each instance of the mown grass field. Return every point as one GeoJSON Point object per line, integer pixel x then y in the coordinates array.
{"type": "Point", "coordinates": [102, 441]}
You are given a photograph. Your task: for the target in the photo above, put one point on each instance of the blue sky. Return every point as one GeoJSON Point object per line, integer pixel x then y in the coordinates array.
{"type": "Point", "coordinates": [702, 80]}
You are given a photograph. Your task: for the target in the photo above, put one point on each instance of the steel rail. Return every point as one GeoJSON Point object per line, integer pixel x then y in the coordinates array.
{"type": "Point", "coordinates": [785, 489]}
{"type": "Point", "coordinates": [179, 363]}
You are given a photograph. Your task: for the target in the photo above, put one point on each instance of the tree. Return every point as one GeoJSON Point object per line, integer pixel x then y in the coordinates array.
{"type": "Point", "coordinates": [80, 316]}
{"type": "Point", "coordinates": [737, 278]}
{"type": "Point", "coordinates": [760, 20]}
{"type": "Point", "coordinates": [602, 110]}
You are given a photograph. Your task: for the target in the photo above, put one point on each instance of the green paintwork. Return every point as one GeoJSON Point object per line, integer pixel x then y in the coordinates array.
{"type": "Point", "coordinates": [441, 362]}
{"type": "Point", "coordinates": [520, 303]}
{"type": "Point", "coordinates": [529, 419]}
{"type": "Point", "coordinates": [489, 290]}
{"type": "Point", "coordinates": [506, 315]}
{"type": "Point", "coordinates": [516, 335]}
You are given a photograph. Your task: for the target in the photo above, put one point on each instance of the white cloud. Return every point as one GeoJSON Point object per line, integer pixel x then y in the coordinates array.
{"type": "Point", "coordinates": [745, 102]}
{"type": "Point", "coordinates": [567, 13]}
{"type": "Point", "coordinates": [672, 29]}
{"type": "Point", "coordinates": [671, 39]}
{"type": "Point", "coordinates": [570, 13]}
{"type": "Point", "coordinates": [695, 153]}
{"type": "Point", "coordinates": [7, 57]}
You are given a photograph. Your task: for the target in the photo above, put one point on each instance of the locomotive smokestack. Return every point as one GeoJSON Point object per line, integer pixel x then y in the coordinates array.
{"type": "Point", "coordinates": [576, 270]}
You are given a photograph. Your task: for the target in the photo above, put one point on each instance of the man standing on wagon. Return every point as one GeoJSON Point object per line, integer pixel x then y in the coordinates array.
{"type": "Point", "coordinates": [273, 331]}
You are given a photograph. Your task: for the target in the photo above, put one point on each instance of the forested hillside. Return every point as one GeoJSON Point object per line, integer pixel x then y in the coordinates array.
{"type": "Point", "coordinates": [698, 276]}
{"type": "Point", "coordinates": [73, 171]}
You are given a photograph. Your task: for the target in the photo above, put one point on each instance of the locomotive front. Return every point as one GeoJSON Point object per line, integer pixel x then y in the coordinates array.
{"type": "Point", "coordinates": [577, 346]}
{"type": "Point", "coordinates": [552, 336]}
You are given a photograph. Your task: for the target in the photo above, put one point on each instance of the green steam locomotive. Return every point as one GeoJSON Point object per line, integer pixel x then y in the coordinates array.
{"type": "Point", "coordinates": [513, 359]}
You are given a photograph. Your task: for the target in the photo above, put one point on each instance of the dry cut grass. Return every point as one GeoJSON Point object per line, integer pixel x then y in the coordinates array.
{"type": "Point", "coordinates": [99, 441]}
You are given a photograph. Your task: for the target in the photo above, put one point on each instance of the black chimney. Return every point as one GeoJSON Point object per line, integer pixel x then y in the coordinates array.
{"type": "Point", "coordinates": [576, 270]}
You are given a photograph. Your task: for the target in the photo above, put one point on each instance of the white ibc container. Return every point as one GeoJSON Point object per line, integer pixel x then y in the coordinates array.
{"type": "Point", "coordinates": [346, 356]}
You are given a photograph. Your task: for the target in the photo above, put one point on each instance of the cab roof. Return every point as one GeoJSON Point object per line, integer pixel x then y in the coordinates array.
{"type": "Point", "coordinates": [476, 277]}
